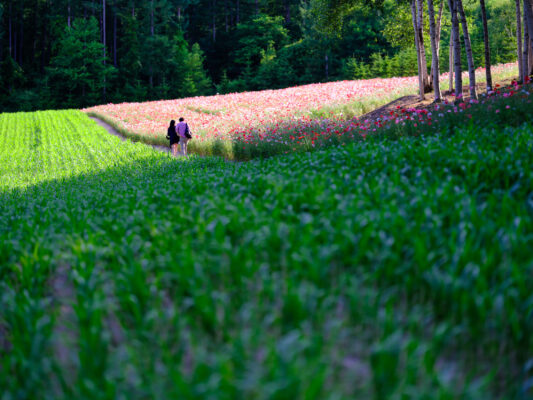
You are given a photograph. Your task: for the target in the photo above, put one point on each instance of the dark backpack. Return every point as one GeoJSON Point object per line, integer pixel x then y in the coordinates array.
{"type": "Point", "coordinates": [187, 132]}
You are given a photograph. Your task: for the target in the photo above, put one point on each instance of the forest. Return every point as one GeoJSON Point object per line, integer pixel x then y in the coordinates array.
{"type": "Point", "coordinates": [57, 54]}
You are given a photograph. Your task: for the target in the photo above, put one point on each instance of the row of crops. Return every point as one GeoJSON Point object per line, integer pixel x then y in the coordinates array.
{"type": "Point", "coordinates": [377, 270]}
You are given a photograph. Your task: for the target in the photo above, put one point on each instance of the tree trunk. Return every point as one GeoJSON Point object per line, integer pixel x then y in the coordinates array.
{"type": "Point", "coordinates": [115, 62]}
{"type": "Point", "coordinates": [488, 73]}
{"type": "Point", "coordinates": [152, 32]}
{"type": "Point", "coordinates": [226, 15]}
{"type": "Point", "coordinates": [327, 66]}
{"type": "Point", "coordinates": [256, 7]}
{"type": "Point", "coordinates": [530, 58]}
{"type": "Point", "coordinates": [456, 50]}
{"type": "Point", "coordinates": [152, 29]}
{"type": "Point", "coordinates": [434, 51]}
{"type": "Point", "coordinates": [10, 30]}
{"type": "Point", "coordinates": [437, 39]}
{"type": "Point", "coordinates": [104, 42]}
{"type": "Point", "coordinates": [420, 32]}
{"type": "Point", "coordinates": [237, 19]}
{"type": "Point", "coordinates": [525, 44]}
{"type": "Point", "coordinates": [21, 41]}
{"type": "Point", "coordinates": [103, 29]}
{"type": "Point", "coordinates": [68, 11]}
{"type": "Point", "coordinates": [528, 15]}
{"type": "Point", "coordinates": [214, 26]}
{"type": "Point", "coordinates": [417, 45]}
{"type": "Point", "coordinates": [519, 40]}
{"type": "Point", "coordinates": [468, 49]}
{"type": "Point", "coordinates": [450, 65]}
{"type": "Point", "coordinates": [15, 46]}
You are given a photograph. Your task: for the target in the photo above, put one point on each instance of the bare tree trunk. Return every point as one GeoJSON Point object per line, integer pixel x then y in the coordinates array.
{"type": "Point", "coordinates": [226, 14]}
{"type": "Point", "coordinates": [10, 29]}
{"type": "Point", "coordinates": [420, 32]}
{"type": "Point", "coordinates": [256, 7]}
{"type": "Point", "coordinates": [530, 57]}
{"type": "Point", "coordinates": [15, 46]}
{"type": "Point", "coordinates": [327, 66]}
{"type": "Point", "coordinates": [450, 66]}
{"type": "Point", "coordinates": [437, 39]}
{"type": "Point", "coordinates": [434, 51]}
{"type": "Point", "coordinates": [238, 12]}
{"type": "Point", "coordinates": [103, 29]}
{"type": "Point", "coordinates": [488, 73]}
{"type": "Point", "coordinates": [104, 41]}
{"type": "Point", "coordinates": [152, 28]}
{"type": "Point", "coordinates": [214, 26]}
{"type": "Point", "coordinates": [468, 49]}
{"type": "Point", "coordinates": [418, 58]}
{"type": "Point", "coordinates": [115, 62]}
{"type": "Point", "coordinates": [456, 50]}
{"type": "Point", "coordinates": [152, 32]}
{"type": "Point", "coordinates": [525, 44]}
{"type": "Point", "coordinates": [528, 15]}
{"type": "Point", "coordinates": [68, 18]}
{"type": "Point", "coordinates": [519, 40]}
{"type": "Point", "coordinates": [21, 41]}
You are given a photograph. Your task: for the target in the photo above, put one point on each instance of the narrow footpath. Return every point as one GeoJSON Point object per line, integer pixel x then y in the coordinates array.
{"type": "Point", "coordinates": [114, 132]}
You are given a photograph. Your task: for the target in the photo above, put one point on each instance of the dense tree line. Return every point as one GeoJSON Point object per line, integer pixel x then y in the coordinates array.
{"type": "Point", "coordinates": [75, 53]}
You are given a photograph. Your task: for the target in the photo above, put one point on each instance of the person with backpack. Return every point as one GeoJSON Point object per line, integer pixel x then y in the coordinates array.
{"type": "Point", "coordinates": [173, 137]}
{"type": "Point", "coordinates": [184, 134]}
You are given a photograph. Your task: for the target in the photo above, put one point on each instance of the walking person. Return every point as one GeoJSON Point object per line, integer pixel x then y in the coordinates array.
{"type": "Point", "coordinates": [174, 139]}
{"type": "Point", "coordinates": [184, 134]}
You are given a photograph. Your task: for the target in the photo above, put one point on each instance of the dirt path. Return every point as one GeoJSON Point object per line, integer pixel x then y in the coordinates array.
{"type": "Point", "coordinates": [413, 101]}
{"type": "Point", "coordinates": [114, 132]}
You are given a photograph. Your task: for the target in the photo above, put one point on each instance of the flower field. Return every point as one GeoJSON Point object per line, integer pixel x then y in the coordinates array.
{"type": "Point", "coordinates": [256, 124]}
{"type": "Point", "coordinates": [394, 267]}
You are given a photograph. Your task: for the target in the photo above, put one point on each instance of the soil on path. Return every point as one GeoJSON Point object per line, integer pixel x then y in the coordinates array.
{"type": "Point", "coordinates": [413, 101]}
{"type": "Point", "coordinates": [114, 132]}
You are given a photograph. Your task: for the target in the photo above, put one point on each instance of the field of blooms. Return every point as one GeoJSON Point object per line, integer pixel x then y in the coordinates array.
{"type": "Point", "coordinates": [251, 124]}
{"type": "Point", "coordinates": [394, 267]}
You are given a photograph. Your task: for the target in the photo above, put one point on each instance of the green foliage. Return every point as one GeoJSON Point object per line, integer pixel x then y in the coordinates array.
{"type": "Point", "coordinates": [77, 74]}
{"type": "Point", "coordinates": [152, 40]}
{"type": "Point", "coordinates": [12, 74]}
{"type": "Point", "coordinates": [402, 63]}
{"type": "Point", "coordinates": [255, 36]}
{"type": "Point", "coordinates": [380, 269]}
{"type": "Point", "coordinates": [189, 67]}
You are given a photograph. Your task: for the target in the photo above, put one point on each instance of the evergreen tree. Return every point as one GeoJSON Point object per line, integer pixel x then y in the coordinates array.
{"type": "Point", "coordinates": [77, 74]}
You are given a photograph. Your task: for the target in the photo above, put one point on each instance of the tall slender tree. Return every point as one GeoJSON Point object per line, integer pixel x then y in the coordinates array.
{"type": "Point", "coordinates": [451, 64]}
{"type": "Point", "coordinates": [422, 48]}
{"type": "Point", "coordinates": [456, 50]}
{"type": "Point", "coordinates": [438, 31]}
{"type": "Point", "coordinates": [519, 39]}
{"type": "Point", "coordinates": [104, 42]}
{"type": "Point", "coordinates": [434, 51]}
{"type": "Point", "coordinates": [525, 44]}
{"type": "Point", "coordinates": [468, 50]}
{"type": "Point", "coordinates": [421, 88]}
{"type": "Point", "coordinates": [486, 43]}
{"type": "Point", "coordinates": [528, 14]}
{"type": "Point", "coordinates": [1, 37]}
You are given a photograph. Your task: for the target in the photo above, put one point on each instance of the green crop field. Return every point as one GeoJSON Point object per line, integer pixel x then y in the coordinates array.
{"type": "Point", "coordinates": [389, 268]}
